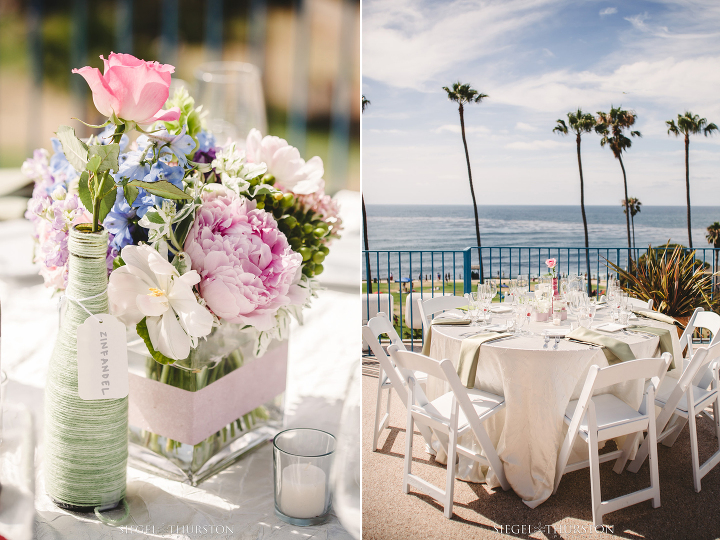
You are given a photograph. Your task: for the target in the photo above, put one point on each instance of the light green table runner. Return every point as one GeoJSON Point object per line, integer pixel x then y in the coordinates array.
{"type": "Point", "coordinates": [470, 354]}
{"type": "Point", "coordinates": [664, 335]}
{"type": "Point", "coordinates": [616, 351]}
{"type": "Point", "coordinates": [441, 321]}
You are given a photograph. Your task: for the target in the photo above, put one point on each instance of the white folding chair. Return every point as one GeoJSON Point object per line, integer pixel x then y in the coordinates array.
{"type": "Point", "coordinates": [681, 401]}
{"type": "Point", "coordinates": [597, 418]}
{"type": "Point", "coordinates": [452, 414]}
{"type": "Point", "coordinates": [432, 306]}
{"type": "Point", "coordinates": [700, 320]}
{"type": "Point", "coordinates": [389, 376]}
{"type": "Point", "coordinates": [640, 304]}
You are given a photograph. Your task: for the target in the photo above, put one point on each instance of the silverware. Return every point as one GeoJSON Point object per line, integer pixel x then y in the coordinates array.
{"type": "Point", "coordinates": [557, 341]}
{"type": "Point", "coordinates": [547, 340]}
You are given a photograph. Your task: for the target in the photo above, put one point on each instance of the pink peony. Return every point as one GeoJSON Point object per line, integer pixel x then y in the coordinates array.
{"type": "Point", "coordinates": [133, 89]}
{"type": "Point", "coordinates": [244, 261]}
{"type": "Point", "coordinates": [285, 164]}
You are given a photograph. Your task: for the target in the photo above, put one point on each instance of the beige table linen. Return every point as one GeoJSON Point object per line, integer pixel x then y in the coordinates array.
{"type": "Point", "coordinates": [537, 383]}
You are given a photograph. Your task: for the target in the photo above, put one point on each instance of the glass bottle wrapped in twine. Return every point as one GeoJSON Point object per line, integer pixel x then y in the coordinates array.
{"type": "Point", "coordinates": [86, 442]}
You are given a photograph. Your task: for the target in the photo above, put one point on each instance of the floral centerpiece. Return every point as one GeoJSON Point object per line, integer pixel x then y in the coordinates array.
{"type": "Point", "coordinates": [213, 249]}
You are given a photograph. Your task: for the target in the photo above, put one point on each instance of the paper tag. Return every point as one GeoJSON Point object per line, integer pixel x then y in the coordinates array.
{"type": "Point", "coordinates": [102, 358]}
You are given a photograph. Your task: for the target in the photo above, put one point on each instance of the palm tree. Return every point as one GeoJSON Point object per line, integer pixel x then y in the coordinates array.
{"type": "Point", "coordinates": [463, 95]}
{"type": "Point", "coordinates": [611, 126]}
{"type": "Point", "coordinates": [634, 204]}
{"type": "Point", "coordinates": [579, 123]}
{"type": "Point", "coordinates": [365, 103]}
{"type": "Point", "coordinates": [689, 124]}
{"type": "Point", "coordinates": [713, 237]}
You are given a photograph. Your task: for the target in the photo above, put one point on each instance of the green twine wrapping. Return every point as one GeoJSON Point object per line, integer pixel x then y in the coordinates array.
{"type": "Point", "coordinates": [86, 442]}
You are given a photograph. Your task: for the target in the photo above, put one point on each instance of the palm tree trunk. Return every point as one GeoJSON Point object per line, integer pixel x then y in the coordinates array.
{"type": "Point", "coordinates": [687, 185]}
{"type": "Point", "coordinates": [472, 192]}
{"type": "Point", "coordinates": [367, 246]}
{"type": "Point", "coordinates": [632, 223]}
{"type": "Point", "coordinates": [716, 269]}
{"type": "Point", "coordinates": [582, 210]}
{"type": "Point", "coordinates": [627, 208]}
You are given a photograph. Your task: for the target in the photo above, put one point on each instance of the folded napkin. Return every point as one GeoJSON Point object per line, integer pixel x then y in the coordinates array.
{"type": "Point", "coordinates": [441, 320]}
{"type": "Point", "coordinates": [615, 350]}
{"type": "Point", "coordinates": [658, 317]}
{"type": "Point", "coordinates": [664, 335]}
{"type": "Point", "coordinates": [469, 355]}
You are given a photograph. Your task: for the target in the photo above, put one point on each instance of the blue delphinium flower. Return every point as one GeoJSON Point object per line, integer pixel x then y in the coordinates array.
{"type": "Point", "coordinates": [206, 141]}
{"type": "Point", "coordinates": [60, 168]}
{"type": "Point", "coordinates": [131, 167]}
{"type": "Point", "coordinates": [117, 222]}
{"type": "Point", "coordinates": [178, 145]}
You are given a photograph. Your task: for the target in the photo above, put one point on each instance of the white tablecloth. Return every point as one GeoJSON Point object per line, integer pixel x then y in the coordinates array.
{"type": "Point", "coordinates": [236, 503]}
{"type": "Point", "coordinates": [537, 384]}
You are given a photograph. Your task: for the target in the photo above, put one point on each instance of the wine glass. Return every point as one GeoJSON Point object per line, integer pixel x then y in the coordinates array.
{"type": "Point", "coordinates": [232, 94]}
{"type": "Point", "coordinates": [522, 282]}
{"type": "Point", "coordinates": [521, 319]}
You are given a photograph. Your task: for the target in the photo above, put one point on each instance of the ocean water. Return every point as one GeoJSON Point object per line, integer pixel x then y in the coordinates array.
{"type": "Point", "coordinates": [397, 227]}
{"type": "Point", "coordinates": [432, 228]}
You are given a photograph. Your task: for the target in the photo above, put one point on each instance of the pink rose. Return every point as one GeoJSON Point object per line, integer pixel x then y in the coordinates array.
{"type": "Point", "coordinates": [133, 89]}
{"type": "Point", "coordinates": [551, 263]}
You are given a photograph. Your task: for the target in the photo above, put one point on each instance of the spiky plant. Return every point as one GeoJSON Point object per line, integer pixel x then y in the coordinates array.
{"type": "Point", "coordinates": [672, 279]}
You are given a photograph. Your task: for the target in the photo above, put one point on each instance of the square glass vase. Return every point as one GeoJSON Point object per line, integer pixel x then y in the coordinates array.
{"type": "Point", "coordinates": [188, 423]}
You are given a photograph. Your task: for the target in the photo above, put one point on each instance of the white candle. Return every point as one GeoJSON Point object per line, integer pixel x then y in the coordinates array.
{"type": "Point", "coordinates": [302, 494]}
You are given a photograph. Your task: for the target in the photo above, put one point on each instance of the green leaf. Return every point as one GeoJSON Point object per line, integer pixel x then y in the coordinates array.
{"type": "Point", "coordinates": [106, 205]}
{"type": "Point", "coordinates": [118, 262]}
{"type": "Point", "coordinates": [93, 163]}
{"type": "Point", "coordinates": [161, 188]}
{"type": "Point", "coordinates": [84, 191]}
{"type": "Point", "coordinates": [131, 193]}
{"type": "Point", "coordinates": [108, 154]}
{"type": "Point", "coordinates": [142, 331]}
{"type": "Point", "coordinates": [75, 150]}
{"type": "Point", "coordinates": [154, 217]}
{"type": "Point", "coordinates": [202, 167]}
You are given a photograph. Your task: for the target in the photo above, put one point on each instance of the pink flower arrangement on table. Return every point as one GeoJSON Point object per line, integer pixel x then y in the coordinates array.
{"type": "Point", "coordinates": [551, 263]}
{"type": "Point", "coordinates": [202, 235]}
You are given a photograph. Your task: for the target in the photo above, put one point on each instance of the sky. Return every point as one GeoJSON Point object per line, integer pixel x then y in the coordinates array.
{"type": "Point", "coordinates": [536, 60]}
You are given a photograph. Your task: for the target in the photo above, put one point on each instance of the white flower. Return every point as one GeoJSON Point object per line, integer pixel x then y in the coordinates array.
{"type": "Point", "coordinates": [150, 287]}
{"type": "Point", "coordinates": [285, 164]}
{"type": "Point", "coordinates": [233, 169]}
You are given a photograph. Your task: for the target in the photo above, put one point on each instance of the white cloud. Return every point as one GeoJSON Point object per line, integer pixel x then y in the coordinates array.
{"type": "Point", "coordinates": [407, 46]}
{"type": "Point", "coordinates": [455, 128]}
{"type": "Point", "coordinates": [608, 11]}
{"type": "Point", "coordinates": [534, 145]}
{"type": "Point", "coordinates": [522, 126]}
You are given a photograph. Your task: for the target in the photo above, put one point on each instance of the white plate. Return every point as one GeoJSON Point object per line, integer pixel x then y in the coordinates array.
{"type": "Point", "coordinates": [611, 327]}
{"type": "Point", "coordinates": [500, 309]}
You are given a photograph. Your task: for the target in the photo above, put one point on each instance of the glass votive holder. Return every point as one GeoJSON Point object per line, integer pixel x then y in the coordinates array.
{"type": "Point", "coordinates": [623, 317]}
{"type": "Point", "coordinates": [3, 389]}
{"type": "Point", "coordinates": [302, 460]}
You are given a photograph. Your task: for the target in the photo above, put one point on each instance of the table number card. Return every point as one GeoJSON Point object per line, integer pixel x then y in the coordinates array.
{"type": "Point", "coordinates": [102, 358]}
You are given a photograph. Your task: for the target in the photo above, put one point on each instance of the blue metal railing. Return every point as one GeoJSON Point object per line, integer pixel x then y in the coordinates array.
{"type": "Point", "coordinates": [424, 273]}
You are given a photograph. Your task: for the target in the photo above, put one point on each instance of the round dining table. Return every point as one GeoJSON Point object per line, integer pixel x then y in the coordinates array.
{"type": "Point", "coordinates": [538, 380]}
